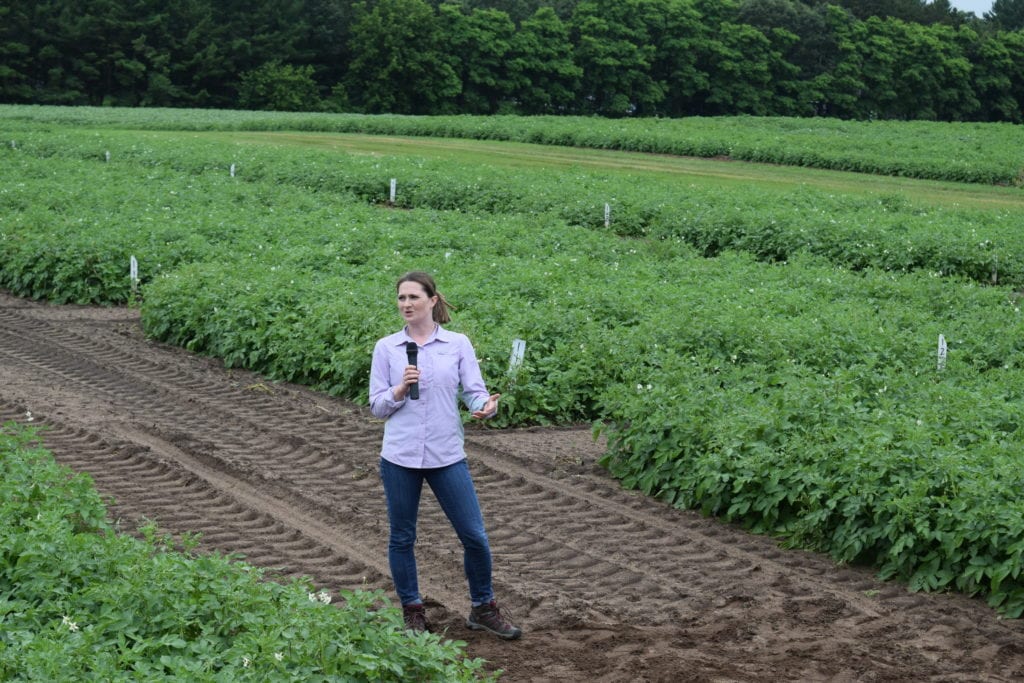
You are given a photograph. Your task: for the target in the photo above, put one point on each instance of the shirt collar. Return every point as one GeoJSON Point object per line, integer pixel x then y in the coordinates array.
{"type": "Point", "coordinates": [440, 334]}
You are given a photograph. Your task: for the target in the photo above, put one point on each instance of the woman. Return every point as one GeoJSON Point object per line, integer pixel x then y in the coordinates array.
{"type": "Point", "coordinates": [423, 442]}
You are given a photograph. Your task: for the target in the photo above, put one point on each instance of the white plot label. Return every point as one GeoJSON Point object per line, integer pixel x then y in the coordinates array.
{"type": "Point", "coordinates": [516, 359]}
{"type": "Point", "coordinates": [133, 273]}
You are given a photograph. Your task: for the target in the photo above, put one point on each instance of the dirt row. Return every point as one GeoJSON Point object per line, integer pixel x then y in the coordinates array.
{"type": "Point", "coordinates": [608, 585]}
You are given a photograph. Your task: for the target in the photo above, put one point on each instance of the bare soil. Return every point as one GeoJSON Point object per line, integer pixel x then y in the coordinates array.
{"type": "Point", "coordinates": [607, 585]}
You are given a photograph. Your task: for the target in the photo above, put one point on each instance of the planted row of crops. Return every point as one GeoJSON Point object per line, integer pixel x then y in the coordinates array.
{"type": "Point", "coordinates": [81, 602]}
{"type": "Point", "coordinates": [772, 223]}
{"type": "Point", "coordinates": [963, 152]}
{"type": "Point", "coordinates": [801, 398]}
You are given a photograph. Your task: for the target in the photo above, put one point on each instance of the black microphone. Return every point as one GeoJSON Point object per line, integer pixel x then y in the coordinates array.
{"type": "Point", "coordinates": [410, 350]}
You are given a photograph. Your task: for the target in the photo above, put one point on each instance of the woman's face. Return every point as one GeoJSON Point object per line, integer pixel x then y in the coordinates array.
{"type": "Point", "coordinates": [414, 304]}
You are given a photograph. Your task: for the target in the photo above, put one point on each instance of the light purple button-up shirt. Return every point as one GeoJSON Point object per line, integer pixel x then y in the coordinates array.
{"type": "Point", "coordinates": [426, 432]}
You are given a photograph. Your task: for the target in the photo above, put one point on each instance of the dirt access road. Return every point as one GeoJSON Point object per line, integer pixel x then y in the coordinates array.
{"type": "Point", "coordinates": [608, 586]}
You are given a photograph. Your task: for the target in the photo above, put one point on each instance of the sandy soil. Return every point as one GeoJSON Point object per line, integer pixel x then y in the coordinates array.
{"type": "Point", "coordinates": [608, 586]}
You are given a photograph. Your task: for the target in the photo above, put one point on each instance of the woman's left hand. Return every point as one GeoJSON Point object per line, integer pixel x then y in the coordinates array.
{"type": "Point", "coordinates": [490, 408]}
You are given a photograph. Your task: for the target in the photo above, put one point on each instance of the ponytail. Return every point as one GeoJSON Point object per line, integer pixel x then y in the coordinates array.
{"type": "Point", "coordinates": [442, 310]}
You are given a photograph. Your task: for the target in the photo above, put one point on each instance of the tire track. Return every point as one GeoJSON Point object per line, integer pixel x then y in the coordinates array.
{"type": "Point", "coordinates": [191, 497]}
{"type": "Point", "coordinates": [609, 585]}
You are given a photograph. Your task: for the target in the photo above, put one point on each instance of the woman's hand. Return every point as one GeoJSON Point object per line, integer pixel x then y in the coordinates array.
{"type": "Point", "coordinates": [410, 376]}
{"type": "Point", "coordinates": [490, 408]}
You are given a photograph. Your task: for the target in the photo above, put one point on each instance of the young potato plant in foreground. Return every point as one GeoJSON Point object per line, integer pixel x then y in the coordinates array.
{"type": "Point", "coordinates": [80, 602]}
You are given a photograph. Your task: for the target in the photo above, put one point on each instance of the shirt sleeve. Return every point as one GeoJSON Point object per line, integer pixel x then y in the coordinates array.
{"type": "Point", "coordinates": [382, 399]}
{"type": "Point", "coordinates": [474, 391]}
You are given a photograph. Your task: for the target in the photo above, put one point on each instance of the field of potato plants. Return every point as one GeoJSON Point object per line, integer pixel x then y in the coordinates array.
{"type": "Point", "coordinates": [963, 152]}
{"type": "Point", "coordinates": [844, 370]}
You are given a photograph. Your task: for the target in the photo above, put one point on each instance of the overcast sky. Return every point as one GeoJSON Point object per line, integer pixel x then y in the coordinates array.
{"type": "Point", "coordinates": [979, 7]}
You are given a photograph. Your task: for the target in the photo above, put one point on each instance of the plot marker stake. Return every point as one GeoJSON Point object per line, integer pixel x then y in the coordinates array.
{"type": "Point", "coordinates": [133, 273]}
{"type": "Point", "coordinates": [516, 359]}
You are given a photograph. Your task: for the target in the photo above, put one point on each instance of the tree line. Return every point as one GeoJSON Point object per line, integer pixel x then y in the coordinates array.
{"type": "Point", "coordinates": [861, 59]}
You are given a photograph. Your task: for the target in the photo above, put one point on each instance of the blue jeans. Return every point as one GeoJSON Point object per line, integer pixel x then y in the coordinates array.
{"type": "Point", "coordinates": [453, 488]}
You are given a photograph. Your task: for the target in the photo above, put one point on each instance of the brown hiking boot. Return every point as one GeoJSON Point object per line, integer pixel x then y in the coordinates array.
{"type": "Point", "coordinates": [415, 617]}
{"type": "Point", "coordinates": [487, 617]}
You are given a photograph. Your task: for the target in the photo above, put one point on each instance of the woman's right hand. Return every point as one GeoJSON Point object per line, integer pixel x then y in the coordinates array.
{"type": "Point", "coordinates": [410, 376]}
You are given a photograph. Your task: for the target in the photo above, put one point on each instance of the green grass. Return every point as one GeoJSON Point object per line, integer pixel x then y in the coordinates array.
{"type": "Point", "coordinates": [637, 166]}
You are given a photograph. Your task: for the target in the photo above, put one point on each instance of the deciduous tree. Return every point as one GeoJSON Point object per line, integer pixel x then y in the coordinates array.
{"type": "Point", "coordinates": [478, 46]}
{"type": "Point", "coordinates": [545, 77]}
{"type": "Point", "coordinates": [397, 63]}
{"type": "Point", "coordinates": [614, 49]}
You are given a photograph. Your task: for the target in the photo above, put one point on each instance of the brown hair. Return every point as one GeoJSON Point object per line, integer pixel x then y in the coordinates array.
{"type": "Point", "coordinates": [441, 310]}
